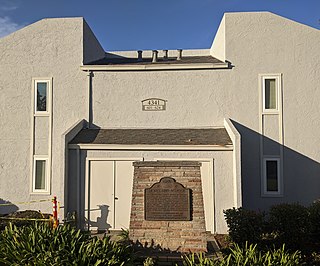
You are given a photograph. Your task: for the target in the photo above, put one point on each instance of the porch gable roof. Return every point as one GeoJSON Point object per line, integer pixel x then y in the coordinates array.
{"type": "Point", "coordinates": [203, 136]}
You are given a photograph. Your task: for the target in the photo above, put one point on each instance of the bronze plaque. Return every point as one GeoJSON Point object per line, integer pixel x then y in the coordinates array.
{"type": "Point", "coordinates": [167, 200]}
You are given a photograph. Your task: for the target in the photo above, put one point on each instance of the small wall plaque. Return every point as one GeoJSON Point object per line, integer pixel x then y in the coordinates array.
{"type": "Point", "coordinates": [154, 104]}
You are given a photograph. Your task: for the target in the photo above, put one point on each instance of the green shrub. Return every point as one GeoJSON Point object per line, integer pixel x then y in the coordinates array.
{"type": "Point", "coordinates": [244, 225]}
{"type": "Point", "coordinates": [248, 255]}
{"type": "Point", "coordinates": [104, 252]}
{"type": "Point", "coordinates": [291, 224]}
{"type": "Point", "coordinates": [315, 259]}
{"type": "Point", "coordinates": [314, 211]}
{"type": "Point", "coordinates": [41, 245]}
{"type": "Point", "coordinates": [149, 262]}
{"type": "Point", "coordinates": [199, 259]}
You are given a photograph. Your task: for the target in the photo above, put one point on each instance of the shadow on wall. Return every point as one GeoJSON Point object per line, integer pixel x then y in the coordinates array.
{"type": "Point", "coordinates": [70, 135]}
{"type": "Point", "coordinates": [100, 223]}
{"type": "Point", "coordinates": [301, 174]}
{"type": "Point", "coordinates": [7, 207]}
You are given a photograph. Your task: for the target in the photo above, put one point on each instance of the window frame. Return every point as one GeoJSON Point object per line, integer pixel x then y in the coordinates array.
{"type": "Point", "coordinates": [265, 178]}
{"type": "Point", "coordinates": [48, 102]}
{"type": "Point", "coordinates": [46, 190]}
{"type": "Point", "coordinates": [43, 156]}
{"type": "Point", "coordinates": [278, 89]}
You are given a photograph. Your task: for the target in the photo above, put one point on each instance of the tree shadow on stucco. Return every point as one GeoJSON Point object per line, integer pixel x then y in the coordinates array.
{"type": "Point", "coordinates": [101, 222]}
{"type": "Point", "coordinates": [301, 174]}
{"type": "Point", "coordinates": [71, 138]}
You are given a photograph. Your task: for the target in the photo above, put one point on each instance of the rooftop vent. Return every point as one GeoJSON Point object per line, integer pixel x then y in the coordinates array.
{"type": "Point", "coordinates": [139, 56]}
{"type": "Point", "coordinates": [154, 56]}
{"type": "Point", "coordinates": [165, 54]}
{"type": "Point", "coordinates": [179, 57]}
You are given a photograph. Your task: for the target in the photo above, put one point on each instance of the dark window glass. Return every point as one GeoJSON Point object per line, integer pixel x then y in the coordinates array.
{"type": "Point", "coordinates": [40, 176]}
{"type": "Point", "coordinates": [272, 175]}
{"type": "Point", "coordinates": [41, 96]}
{"type": "Point", "coordinates": [270, 94]}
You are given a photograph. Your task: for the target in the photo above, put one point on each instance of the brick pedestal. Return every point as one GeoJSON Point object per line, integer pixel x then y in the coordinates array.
{"type": "Point", "coordinates": [183, 236]}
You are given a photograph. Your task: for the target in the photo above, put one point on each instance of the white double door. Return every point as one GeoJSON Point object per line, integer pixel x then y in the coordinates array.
{"type": "Point", "coordinates": [108, 194]}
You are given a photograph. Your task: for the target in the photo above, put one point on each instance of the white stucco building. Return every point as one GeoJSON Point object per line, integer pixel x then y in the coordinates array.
{"type": "Point", "coordinates": [74, 117]}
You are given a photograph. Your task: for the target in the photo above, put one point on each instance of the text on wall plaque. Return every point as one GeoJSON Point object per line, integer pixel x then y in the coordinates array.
{"type": "Point", "coordinates": [154, 104]}
{"type": "Point", "coordinates": [167, 200]}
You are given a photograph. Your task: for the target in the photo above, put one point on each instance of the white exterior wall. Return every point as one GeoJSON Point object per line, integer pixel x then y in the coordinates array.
{"type": "Point", "coordinates": [50, 48]}
{"type": "Point", "coordinates": [254, 43]}
{"type": "Point", "coordinates": [221, 174]}
{"type": "Point", "coordinates": [218, 48]}
{"type": "Point", "coordinates": [192, 99]}
{"type": "Point", "coordinates": [264, 43]}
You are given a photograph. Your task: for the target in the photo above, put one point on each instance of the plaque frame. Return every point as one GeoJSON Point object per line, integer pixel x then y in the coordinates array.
{"type": "Point", "coordinates": [180, 215]}
{"type": "Point", "coordinates": [154, 104]}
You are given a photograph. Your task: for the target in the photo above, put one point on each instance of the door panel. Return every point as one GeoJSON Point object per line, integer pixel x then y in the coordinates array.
{"type": "Point", "coordinates": [101, 195]}
{"type": "Point", "coordinates": [109, 194]}
{"type": "Point", "coordinates": [123, 192]}
{"type": "Point", "coordinates": [208, 194]}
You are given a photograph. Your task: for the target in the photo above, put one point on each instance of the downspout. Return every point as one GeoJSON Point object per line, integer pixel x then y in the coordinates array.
{"type": "Point", "coordinates": [89, 103]}
{"type": "Point", "coordinates": [79, 214]}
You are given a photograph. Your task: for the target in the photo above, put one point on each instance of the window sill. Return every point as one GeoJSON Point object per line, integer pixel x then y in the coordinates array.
{"type": "Point", "coordinates": [271, 195]}
{"type": "Point", "coordinates": [41, 114]}
{"type": "Point", "coordinates": [43, 193]}
{"type": "Point", "coordinates": [275, 112]}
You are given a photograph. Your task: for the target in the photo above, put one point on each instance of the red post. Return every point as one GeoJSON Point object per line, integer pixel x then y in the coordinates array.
{"type": "Point", "coordinates": [55, 212]}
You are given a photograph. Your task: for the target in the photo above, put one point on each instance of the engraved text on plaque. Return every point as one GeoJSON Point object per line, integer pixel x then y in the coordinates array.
{"type": "Point", "coordinates": [167, 200]}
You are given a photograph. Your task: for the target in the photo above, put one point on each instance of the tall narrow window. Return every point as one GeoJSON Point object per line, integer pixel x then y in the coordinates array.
{"type": "Point", "coordinates": [270, 92]}
{"type": "Point", "coordinates": [40, 176]}
{"type": "Point", "coordinates": [271, 176]}
{"type": "Point", "coordinates": [41, 97]}
{"type": "Point", "coordinates": [41, 140]}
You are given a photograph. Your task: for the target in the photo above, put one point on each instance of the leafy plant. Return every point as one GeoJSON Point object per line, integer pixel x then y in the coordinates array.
{"type": "Point", "coordinates": [124, 235]}
{"type": "Point", "coordinates": [148, 262]}
{"type": "Point", "coordinates": [40, 244]}
{"type": "Point", "coordinates": [244, 225]}
{"type": "Point", "coordinates": [291, 224]}
{"type": "Point", "coordinates": [249, 255]}
{"type": "Point", "coordinates": [314, 211]}
{"type": "Point", "coordinates": [315, 257]}
{"type": "Point", "coordinates": [71, 219]}
{"type": "Point", "coordinates": [198, 259]}
{"type": "Point", "coordinates": [104, 252]}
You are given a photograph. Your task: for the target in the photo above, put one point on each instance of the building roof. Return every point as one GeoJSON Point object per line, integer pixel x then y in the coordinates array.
{"type": "Point", "coordinates": [148, 60]}
{"type": "Point", "coordinates": [212, 136]}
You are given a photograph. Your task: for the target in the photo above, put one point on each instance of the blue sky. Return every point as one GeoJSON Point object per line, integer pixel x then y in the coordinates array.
{"type": "Point", "coordinates": [151, 24]}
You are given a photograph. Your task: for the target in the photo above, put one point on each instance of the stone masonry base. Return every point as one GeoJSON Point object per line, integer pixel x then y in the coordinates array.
{"type": "Point", "coordinates": [182, 236]}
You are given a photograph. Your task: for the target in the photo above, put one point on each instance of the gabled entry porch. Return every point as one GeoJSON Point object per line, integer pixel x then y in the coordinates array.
{"type": "Point", "coordinates": [101, 171]}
